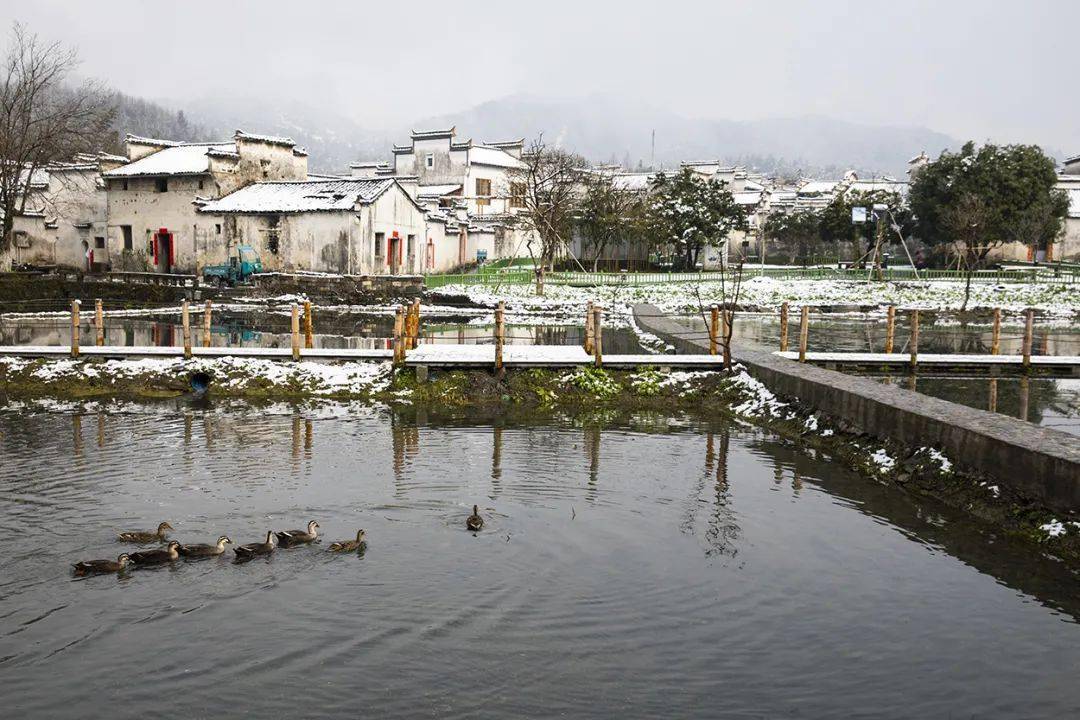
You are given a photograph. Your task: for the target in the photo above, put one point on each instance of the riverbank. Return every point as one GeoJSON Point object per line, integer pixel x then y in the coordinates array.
{"type": "Point", "coordinates": [593, 395]}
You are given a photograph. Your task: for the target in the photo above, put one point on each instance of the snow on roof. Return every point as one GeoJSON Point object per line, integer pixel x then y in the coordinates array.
{"type": "Point", "coordinates": [186, 159]}
{"type": "Point", "coordinates": [1074, 202]}
{"type": "Point", "coordinates": [886, 184]}
{"type": "Point", "coordinates": [139, 140]}
{"type": "Point", "coordinates": [272, 139]}
{"type": "Point", "coordinates": [300, 196]}
{"type": "Point", "coordinates": [631, 181]}
{"type": "Point", "coordinates": [817, 187]}
{"type": "Point", "coordinates": [481, 155]}
{"type": "Point", "coordinates": [437, 190]}
{"type": "Point", "coordinates": [747, 198]}
{"type": "Point", "coordinates": [1070, 160]}
{"type": "Point", "coordinates": [427, 134]}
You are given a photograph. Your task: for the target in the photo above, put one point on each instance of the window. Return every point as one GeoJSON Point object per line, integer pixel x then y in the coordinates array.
{"type": "Point", "coordinates": [265, 164]}
{"type": "Point", "coordinates": [217, 228]}
{"type": "Point", "coordinates": [161, 185]}
{"type": "Point", "coordinates": [429, 161]}
{"type": "Point", "coordinates": [125, 233]}
{"type": "Point", "coordinates": [272, 237]}
{"type": "Point", "coordinates": [99, 243]}
{"type": "Point", "coordinates": [200, 184]}
{"type": "Point", "coordinates": [379, 239]}
{"type": "Point", "coordinates": [483, 191]}
{"type": "Point", "coordinates": [124, 185]}
{"type": "Point", "coordinates": [517, 195]}
{"type": "Point", "coordinates": [410, 245]}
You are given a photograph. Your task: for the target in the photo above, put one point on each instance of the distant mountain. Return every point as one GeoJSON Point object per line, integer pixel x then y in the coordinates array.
{"type": "Point", "coordinates": [602, 128]}
{"type": "Point", "coordinates": [607, 129]}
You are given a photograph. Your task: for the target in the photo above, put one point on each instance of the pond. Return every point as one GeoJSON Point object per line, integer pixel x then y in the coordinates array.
{"type": "Point", "coordinates": [642, 566]}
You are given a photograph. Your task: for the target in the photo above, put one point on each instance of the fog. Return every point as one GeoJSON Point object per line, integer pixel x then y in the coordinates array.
{"type": "Point", "coordinates": [985, 70]}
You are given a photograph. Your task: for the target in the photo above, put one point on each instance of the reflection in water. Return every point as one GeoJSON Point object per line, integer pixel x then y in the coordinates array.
{"type": "Point", "coordinates": [632, 607]}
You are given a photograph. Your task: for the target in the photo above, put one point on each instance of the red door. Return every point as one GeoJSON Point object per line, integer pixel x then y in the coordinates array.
{"type": "Point", "coordinates": [164, 250]}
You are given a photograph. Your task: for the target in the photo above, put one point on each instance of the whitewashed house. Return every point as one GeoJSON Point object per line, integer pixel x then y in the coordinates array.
{"type": "Point", "coordinates": [348, 226]}
{"type": "Point", "coordinates": [154, 224]}
{"type": "Point", "coordinates": [468, 189]}
{"type": "Point", "coordinates": [64, 221]}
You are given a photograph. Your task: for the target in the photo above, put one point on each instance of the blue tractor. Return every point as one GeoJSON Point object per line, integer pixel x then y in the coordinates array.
{"type": "Point", "coordinates": [239, 269]}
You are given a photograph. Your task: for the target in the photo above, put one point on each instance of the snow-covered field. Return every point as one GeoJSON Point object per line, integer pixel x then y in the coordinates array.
{"type": "Point", "coordinates": [1060, 300]}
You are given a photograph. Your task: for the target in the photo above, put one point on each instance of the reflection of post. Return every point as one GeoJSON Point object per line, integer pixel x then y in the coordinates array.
{"type": "Point", "coordinates": [1025, 389]}
{"type": "Point", "coordinates": [309, 438]}
{"type": "Point", "coordinates": [496, 459]}
{"type": "Point", "coordinates": [592, 448]}
{"type": "Point", "coordinates": [397, 441]}
{"type": "Point", "coordinates": [295, 437]}
{"type": "Point", "coordinates": [208, 431]}
{"type": "Point", "coordinates": [101, 429]}
{"type": "Point", "coordinates": [993, 395]}
{"type": "Point", "coordinates": [187, 429]}
{"type": "Point", "coordinates": [76, 434]}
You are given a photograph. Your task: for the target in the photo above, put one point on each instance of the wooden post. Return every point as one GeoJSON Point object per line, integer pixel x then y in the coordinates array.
{"type": "Point", "coordinates": [309, 339]}
{"type": "Point", "coordinates": [890, 328]}
{"type": "Point", "coordinates": [589, 328]}
{"type": "Point", "coordinates": [74, 328]}
{"type": "Point", "coordinates": [399, 328]}
{"type": "Point", "coordinates": [783, 327]}
{"type": "Point", "coordinates": [414, 336]}
{"type": "Point", "coordinates": [295, 332]}
{"type": "Point", "coordinates": [804, 332]}
{"type": "Point", "coordinates": [186, 319]}
{"type": "Point", "coordinates": [995, 339]}
{"type": "Point", "coordinates": [206, 319]}
{"type": "Point", "coordinates": [99, 323]}
{"type": "Point", "coordinates": [1029, 330]}
{"type": "Point", "coordinates": [914, 339]}
{"type": "Point", "coordinates": [598, 336]}
{"type": "Point", "coordinates": [500, 334]}
{"type": "Point", "coordinates": [714, 329]}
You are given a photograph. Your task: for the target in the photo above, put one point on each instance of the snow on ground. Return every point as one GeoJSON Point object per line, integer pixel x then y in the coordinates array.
{"type": "Point", "coordinates": [883, 460]}
{"type": "Point", "coordinates": [228, 372]}
{"type": "Point", "coordinates": [769, 293]}
{"type": "Point", "coordinates": [760, 402]}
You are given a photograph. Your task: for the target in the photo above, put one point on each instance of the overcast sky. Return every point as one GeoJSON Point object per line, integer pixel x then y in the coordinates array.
{"type": "Point", "coordinates": [987, 69]}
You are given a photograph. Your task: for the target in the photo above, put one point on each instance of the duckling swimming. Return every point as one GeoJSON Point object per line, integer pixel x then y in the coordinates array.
{"type": "Point", "coordinates": [146, 536]}
{"type": "Point", "coordinates": [349, 545]}
{"type": "Point", "coordinates": [289, 538]}
{"type": "Point", "coordinates": [94, 567]}
{"type": "Point", "coordinates": [203, 550]}
{"type": "Point", "coordinates": [474, 522]}
{"type": "Point", "coordinates": [246, 552]}
{"type": "Point", "coordinates": [157, 557]}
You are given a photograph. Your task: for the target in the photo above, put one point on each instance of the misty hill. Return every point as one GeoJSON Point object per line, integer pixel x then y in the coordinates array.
{"type": "Point", "coordinates": [603, 129]}
{"type": "Point", "coordinates": [609, 129]}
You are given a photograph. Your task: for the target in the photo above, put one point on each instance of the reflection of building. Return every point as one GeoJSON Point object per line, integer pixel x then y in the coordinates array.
{"type": "Point", "coordinates": [65, 216]}
{"type": "Point", "coordinates": [153, 223]}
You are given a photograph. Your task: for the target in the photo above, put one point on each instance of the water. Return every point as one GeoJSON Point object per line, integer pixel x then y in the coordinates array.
{"type": "Point", "coordinates": [659, 567]}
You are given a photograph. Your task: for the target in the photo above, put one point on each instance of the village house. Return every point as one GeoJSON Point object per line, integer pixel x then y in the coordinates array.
{"type": "Point", "coordinates": [347, 226]}
{"type": "Point", "coordinates": [469, 191]}
{"type": "Point", "coordinates": [153, 222]}
{"type": "Point", "coordinates": [64, 221]}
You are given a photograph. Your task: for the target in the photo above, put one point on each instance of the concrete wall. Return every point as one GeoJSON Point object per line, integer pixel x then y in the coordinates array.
{"type": "Point", "coordinates": [1036, 462]}
{"type": "Point", "coordinates": [146, 210]}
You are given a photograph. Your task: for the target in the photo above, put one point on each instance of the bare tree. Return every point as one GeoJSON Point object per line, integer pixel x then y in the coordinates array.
{"type": "Point", "coordinates": [730, 282]}
{"type": "Point", "coordinates": [547, 188]}
{"type": "Point", "coordinates": [967, 221]}
{"type": "Point", "coordinates": [44, 118]}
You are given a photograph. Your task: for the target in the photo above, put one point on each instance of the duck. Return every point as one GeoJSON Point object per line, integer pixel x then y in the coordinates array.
{"type": "Point", "coordinates": [157, 557]}
{"type": "Point", "coordinates": [349, 545]}
{"type": "Point", "coordinates": [474, 522]}
{"type": "Point", "coordinates": [246, 552]}
{"type": "Point", "coordinates": [203, 550]}
{"type": "Point", "coordinates": [143, 537]}
{"type": "Point", "coordinates": [288, 538]}
{"type": "Point", "coordinates": [94, 567]}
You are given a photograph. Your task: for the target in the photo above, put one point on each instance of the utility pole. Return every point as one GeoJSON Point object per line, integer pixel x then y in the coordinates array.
{"type": "Point", "coordinates": [652, 152]}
